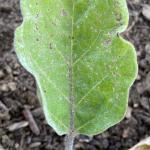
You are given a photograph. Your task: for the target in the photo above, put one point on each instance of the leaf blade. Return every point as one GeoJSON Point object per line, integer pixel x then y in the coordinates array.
{"type": "Point", "coordinates": [80, 35]}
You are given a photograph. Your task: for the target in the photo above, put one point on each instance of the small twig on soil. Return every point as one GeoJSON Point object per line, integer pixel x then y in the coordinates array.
{"type": "Point", "coordinates": [37, 112]}
{"type": "Point", "coordinates": [21, 143]}
{"type": "Point", "coordinates": [29, 117]}
{"type": "Point", "coordinates": [1, 147]}
{"type": "Point", "coordinates": [134, 22]}
{"type": "Point", "coordinates": [2, 105]}
{"type": "Point", "coordinates": [36, 144]}
{"type": "Point", "coordinates": [17, 125]}
{"type": "Point", "coordinates": [4, 111]}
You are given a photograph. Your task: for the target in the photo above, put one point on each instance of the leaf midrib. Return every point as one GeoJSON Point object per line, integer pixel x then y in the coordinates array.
{"type": "Point", "coordinates": [70, 75]}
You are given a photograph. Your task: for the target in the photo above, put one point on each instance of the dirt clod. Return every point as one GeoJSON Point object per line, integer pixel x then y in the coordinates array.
{"type": "Point", "coordinates": [146, 12]}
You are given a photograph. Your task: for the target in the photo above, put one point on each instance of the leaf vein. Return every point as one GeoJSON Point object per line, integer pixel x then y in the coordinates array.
{"type": "Point", "coordinates": [97, 84]}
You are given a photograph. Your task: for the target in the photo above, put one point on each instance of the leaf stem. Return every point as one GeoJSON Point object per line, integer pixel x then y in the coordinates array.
{"type": "Point", "coordinates": [69, 141]}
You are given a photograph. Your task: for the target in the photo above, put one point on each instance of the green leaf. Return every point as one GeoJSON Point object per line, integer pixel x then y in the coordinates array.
{"type": "Point", "coordinates": [83, 68]}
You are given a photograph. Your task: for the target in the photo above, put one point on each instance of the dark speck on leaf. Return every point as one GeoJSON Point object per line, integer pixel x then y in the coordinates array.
{"type": "Point", "coordinates": [71, 37]}
{"type": "Point", "coordinates": [36, 27]}
{"type": "Point", "coordinates": [50, 46]}
{"type": "Point", "coordinates": [63, 13]}
{"type": "Point", "coordinates": [118, 35]}
{"type": "Point", "coordinates": [37, 39]}
{"type": "Point", "coordinates": [54, 23]}
{"type": "Point", "coordinates": [37, 15]}
{"type": "Point", "coordinates": [107, 42]}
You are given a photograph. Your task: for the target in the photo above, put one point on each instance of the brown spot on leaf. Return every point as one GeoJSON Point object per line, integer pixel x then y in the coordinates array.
{"type": "Point", "coordinates": [107, 42]}
{"type": "Point", "coordinates": [50, 46]}
{"type": "Point", "coordinates": [63, 13]}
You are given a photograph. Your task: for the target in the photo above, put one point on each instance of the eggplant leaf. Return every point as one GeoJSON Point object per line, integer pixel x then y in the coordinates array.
{"type": "Point", "coordinates": [82, 67]}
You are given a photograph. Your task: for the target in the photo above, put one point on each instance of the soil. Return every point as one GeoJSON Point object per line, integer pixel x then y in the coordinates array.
{"type": "Point", "coordinates": [22, 123]}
